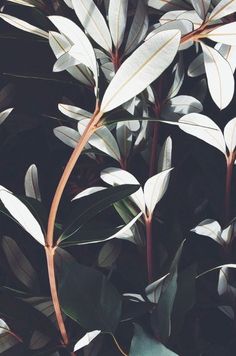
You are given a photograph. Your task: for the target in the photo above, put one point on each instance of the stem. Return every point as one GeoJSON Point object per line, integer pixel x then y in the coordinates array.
{"type": "Point", "coordinates": [148, 224]}
{"type": "Point", "coordinates": [118, 346]}
{"type": "Point", "coordinates": [49, 247]}
{"type": "Point", "coordinates": [229, 171]}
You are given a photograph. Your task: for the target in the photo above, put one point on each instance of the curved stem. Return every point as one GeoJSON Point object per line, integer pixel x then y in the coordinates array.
{"type": "Point", "coordinates": [118, 347]}
{"type": "Point", "coordinates": [49, 246]}
{"type": "Point", "coordinates": [148, 224]}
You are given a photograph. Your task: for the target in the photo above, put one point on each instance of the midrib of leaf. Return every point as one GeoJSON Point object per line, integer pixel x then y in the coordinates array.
{"type": "Point", "coordinates": [138, 70]}
{"type": "Point", "coordinates": [79, 69]}
{"type": "Point", "coordinates": [94, 23]}
{"type": "Point", "coordinates": [66, 135]}
{"type": "Point", "coordinates": [221, 9]}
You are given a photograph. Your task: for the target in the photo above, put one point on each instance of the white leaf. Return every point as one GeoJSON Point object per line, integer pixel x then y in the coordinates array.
{"type": "Point", "coordinates": [60, 45]}
{"type": "Point", "coordinates": [180, 105]}
{"type": "Point", "coordinates": [31, 183]}
{"type": "Point", "coordinates": [74, 112]}
{"type": "Point", "coordinates": [140, 69]}
{"type": "Point", "coordinates": [227, 233]}
{"type": "Point", "coordinates": [229, 53]}
{"type": "Point", "coordinates": [117, 176]}
{"type": "Point", "coordinates": [219, 76]}
{"type": "Point", "coordinates": [227, 310]}
{"type": "Point", "coordinates": [78, 37]}
{"type": "Point", "coordinates": [138, 27]}
{"type": "Point", "coordinates": [170, 16]}
{"type": "Point", "coordinates": [69, 3]}
{"type": "Point", "coordinates": [224, 8]}
{"type": "Point", "coordinates": [153, 291]}
{"type": "Point", "coordinates": [24, 26]}
{"type": "Point", "coordinates": [154, 189]}
{"type": "Point", "coordinates": [222, 287]}
{"type": "Point", "coordinates": [124, 138]}
{"type": "Point", "coordinates": [117, 17]}
{"type": "Point", "coordinates": [6, 339]}
{"type": "Point", "coordinates": [209, 228]}
{"type": "Point", "coordinates": [167, 5]}
{"type": "Point", "coordinates": [87, 192]}
{"type": "Point", "coordinates": [67, 135]}
{"type": "Point", "coordinates": [93, 22]}
{"type": "Point", "coordinates": [19, 264]}
{"type": "Point", "coordinates": [22, 215]}
{"type": "Point", "coordinates": [191, 16]}
{"type": "Point", "coordinates": [197, 66]}
{"type": "Point", "coordinates": [184, 26]}
{"type": "Point", "coordinates": [102, 139]}
{"type": "Point", "coordinates": [86, 339]}
{"type": "Point", "coordinates": [109, 253]}
{"type": "Point", "coordinates": [179, 73]}
{"type": "Point", "coordinates": [4, 114]}
{"type": "Point", "coordinates": [224, 34]}
{"type": "Point", "coordinates": [204, 128]}
{"type": "Point", "coordinates": [66, 61]}
{"type": "Point", "coordinates": [164, 161]}
{"type": "Point", "coordinates": [22, 2]}
{"type": "Point", "coordinates": [201, 7]}
{"type": "Point", "coordinates": [142, 134]}
{"type": "Point", "coordinates": [230, 135]}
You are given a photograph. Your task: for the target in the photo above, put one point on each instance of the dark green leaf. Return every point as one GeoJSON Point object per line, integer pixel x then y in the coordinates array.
{"type": "Point", "coordinates": [87, 297]}
{"type": "Point", "coordinates": [144, 345]}
{"type": "Point", "coordinates": [90, 206]}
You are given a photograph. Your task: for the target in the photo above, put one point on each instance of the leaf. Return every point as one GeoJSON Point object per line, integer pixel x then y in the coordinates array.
{"type": "Point", "coordinates": [230, 135]}
{"type": "Point", "coordinates": [229, 53]}
{"type": "Point", "coordinates": [19, 264]}
{"type": "Point", "coordinates": [209, 228]}
{"type": "Point", "coordinates": [167, 5]}
{"type": "Point", "coordinates": [88, 191]}
{"type": "Point", "coordinates": [102, 139]}
{"type": "Point", "coordinates": [117, 176]}
{"type": "Point", "coordinates": [6, 96]}
{"type": "Point", "coordinates": [224, 8]}
{"type": "Point", "coordinates": [74, 112]}
{"type": "Point", "coordinates": [161, 316]}
{"type": "Point", "coordinates": [224, 34]}
{"type": "Point", "coordinates": [153, 290]}
{"type": "Point", "coordinates": [142, 344]}
{"type": "Point", "coordinates": [4, 114]}
{"type": "Point", "coordinates": [24, 26]}
{"type": "Point", "coordinates": [164, 161]}
{"type": "Point", "coordinates": [109, 254]}
{"type": "Point", "coordinates": [6, 339]}
{"type": "Point", "coordinates": [124, 138]}
{"type": "Point", "coordinates": [205, 129]}
{"type": "Point", "coordinates": [78, 37]}
{"type": "Point", "coordinates": [219, 77]}
{"type": "Point", "coordinates": [201, 7]}
{"type": "Point", "coordinates": [140, 69]}
{"type": "Point", "coordinates": [91, 205]}
{"type": "Point", "coordinates": [67, 135]}
{"type": "Point", "coordinates": [191, 16]}
{"type": "Point", "coordinates": [180, 105]}
{"type": "Point", "coordinates": [93, 22]}
{"type": "Point", "coordinates": [154, 189]}
{"type": "Point", "coordinates": [22, 215]}
{"type": "Point", "coordinates": [60, 45]}
{"type": "Point", "coordinates": [86, 339]}
{"type": "Point", "coordinates": [32, 184]}
{"type": "Point", "coordinates": [117, 17]}
{"type": "Point", "coordinates": [87, 297]}
{"type": "Point", "coordinates": [197, 67]}
{"type": "Point", "coordinates": [138, 27]}
{"type": "Point", "coordinates": [178, 78]}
